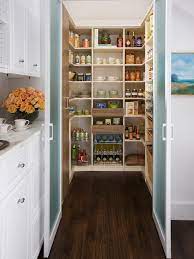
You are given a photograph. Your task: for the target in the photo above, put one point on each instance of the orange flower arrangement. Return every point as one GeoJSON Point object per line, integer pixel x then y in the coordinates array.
{"type": "Point", "coordinates": [26, 100]}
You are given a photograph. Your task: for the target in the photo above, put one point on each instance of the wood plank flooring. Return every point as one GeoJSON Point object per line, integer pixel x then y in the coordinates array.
{"type": "Point", "coordinates": [108, 216]}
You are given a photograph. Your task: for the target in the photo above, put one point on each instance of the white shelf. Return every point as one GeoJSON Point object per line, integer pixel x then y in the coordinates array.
{"type": "Point", "coordinates": [134, 82]}
{"type": "Point", "coordinates": [137, 98]}
{"type": "Point", "coordinates": [149, 41]}
{"type": "Point", "coordinates": [79, 98]}
{"type": "Point", "coordinates": [108, 82]}
{"type": "Point", "coordinates": [81, 65]}
{"type": "Point", "coordinates": [135, 141]}
{"type": "Point", "coordinates": [108, 65]}
{"type": "Point", "coordinates": [149, 61]}
{"type": "Point", "coordinates": [80, 82]}
{"type": "Point", "coordinates": [79, 49]}
{"type": "Point", "coordinates": [80, 116]}
{"type": "Point", "coordinates": [107, 49]}
{"type": "Point", "coordinates": [108, 98]}
{"type": "Point", "coordinates": [110, 168]}
{"type": "Point", "coordinates": [135, 48]}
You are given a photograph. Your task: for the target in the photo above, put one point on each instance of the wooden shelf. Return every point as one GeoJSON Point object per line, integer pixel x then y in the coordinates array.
{"type": "Point", "coordinates": [79, 49]}
{"type": "Point", "coordinates": [135, 141]}
{"type": "Point", "coordinates": [108, 98]}
{"type": "Point", "coordinates": [108, 49]}
{"type": "Point", "coordinates": [108, 112]}
{"type": "Point", "coordinates": [108, 129]}
{"type": "Point", "coordinates": [135, 116]}
{"type": "Point", "coordinates": [137, 98]}
{"type": "Point", "coordinates": [135, 65]}
{"type": "Point", "coordinates": [79, 98]}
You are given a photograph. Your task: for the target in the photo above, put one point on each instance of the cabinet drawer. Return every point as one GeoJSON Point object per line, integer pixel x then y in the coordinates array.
{"type": "Point", "coordinates": [15, 164]}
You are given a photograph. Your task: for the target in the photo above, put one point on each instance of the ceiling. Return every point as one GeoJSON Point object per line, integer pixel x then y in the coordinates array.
{"type": "Point", "coordinates": [107, 12]}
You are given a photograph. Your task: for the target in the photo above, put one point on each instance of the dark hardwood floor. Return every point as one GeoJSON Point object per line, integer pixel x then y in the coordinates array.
{"type": "Point", "coordinates": [108, 216]}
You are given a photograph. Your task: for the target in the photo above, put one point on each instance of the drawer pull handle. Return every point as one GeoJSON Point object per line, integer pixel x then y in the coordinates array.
{"type": "Point", "coordinates": [21, 165]}
{"type": "Point", "coordinates": [21, 200]}
{"type": "Point", "coordinates": [21, 61]}
{"type": "Point", "coordinates": [35, 65]}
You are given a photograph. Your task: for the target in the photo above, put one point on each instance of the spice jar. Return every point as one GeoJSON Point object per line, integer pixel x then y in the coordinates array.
{"type": "Point", "coordinates": [88, 77]}
{"type": "Point", "coordinates": [71, 57]}
{"type": "Point", "coordinates": [134, 93]}
{"type": "Point", "coordinates": [139, 42]}
{"type": "Point", "coordinates": [83, 59]}
{"type": "Point", "coordinates": [77, 59]}
{"type": "Point", "coordinates": [88, 59]}
{"type": "Point", "coordinates": [138, 76]}
{"type": "Point", "coordinates": [132, 76]}
{"type": "Point", "coordinates": [140, 93]}
{"type": "Point", "coordinates": [80, 76]}
{"type": "Point", "coordinates": [127, 76]}
{"type": "Point", "coordinates": [120, 42]}
{"type": "Point", "coordinates": [130, 59]}
{"type": "Point", "coordinates": [71, 38]}
{"type": "Point", "coordinates": [76, 41]}
{"type": "Point", "coordinates": [138, 60]}
{"type": "Point", "coordinates": [85, 43]}
{"type": "Point", "coordinates": [128, 93]}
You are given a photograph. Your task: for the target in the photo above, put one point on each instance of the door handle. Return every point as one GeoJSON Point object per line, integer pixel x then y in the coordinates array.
{"type": "Point", "coordinates": [21, 200]}
{"type": "Point", "coordinates": [164, 131]}
{"type": "Point", "coordinates": [172, 132]}
{"type": "Point", "coordinates": [51, 130]}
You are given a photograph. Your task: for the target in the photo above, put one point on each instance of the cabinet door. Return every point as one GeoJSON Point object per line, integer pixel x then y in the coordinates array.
{"type": "Point", "coordinates": [33, 37]}
{"type": "Point", "coordinates": [18, 25]}
{"type": "Point", "coordinates": [15, 222]}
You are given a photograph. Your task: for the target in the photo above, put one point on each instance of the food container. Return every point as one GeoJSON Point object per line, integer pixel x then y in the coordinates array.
{"type": "Point", "coordinates": [138, 76]}
{"type": "Point", "coordinates": [80, 76]}
{"type": "Point", "coordinates": [101, 93]}
{"type": "Point", "coordinates": [113, 104]}
{"type": "Point", "coordinates": [137, 60]}
{"type": "Point", "coordinates": [107, 121]}
{"type": "Point", "coordinates": [130, 59]}
{"type": "Point", "coordinates": [77, 59]}
{"type": "Point", "coordinates": [99, 122]}
{"type": "Point", "coordinates": [83, 59]}
{"type": "Point", "coordinates": [132, 76]}
{"type": "Point", "coordinates": [101, 105]}
{"type": "Point", "coordinates": [85, 43]}
{"type": "Point", "coordinates": [113, 93]}
{"type": "Point", "coordinates": [88, 77]}
{"type": "Point", "coordinates": [76, 41]}
{"type": "Point", "coordinates": [116, 121]}
{"type": "Point", "coordinates": [71, 75]}
{"type": "Point", "coordinates": [88, 59]}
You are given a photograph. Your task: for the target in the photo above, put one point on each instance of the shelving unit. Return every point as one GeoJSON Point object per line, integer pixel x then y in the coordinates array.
{"type": "Point", "coordinates": [99, 69]}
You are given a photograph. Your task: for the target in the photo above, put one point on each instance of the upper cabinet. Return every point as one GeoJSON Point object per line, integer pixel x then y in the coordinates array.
{"type": "Point", "coordinates": [18, 62]}
{"type": "Point", "coordinates": [21, 32]}
{"type": "Point", "coordinates": [33, 37]}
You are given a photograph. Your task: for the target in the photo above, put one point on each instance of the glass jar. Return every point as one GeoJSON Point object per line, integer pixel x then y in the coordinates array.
{"type": "Point", "coordinates": [80, 76]}
{"type": "Point", "coordinates": [140, 93]}
{"type": "Point", "coordinates": [139, 42]}
{"type": "Point", "coordinates": [128, 93]}
{"type": "Point", "coordinates": [77, 59]}
{"type": "Point", "coordinates": [76, 40]}
{"type": "Point", "coordinates": [132, 76]}
{"type": "Point", "coordinates": [127, 76]}
{"type": "Point", "coordinates": [83, 60]}
{"type": "Point", "coordinates": [134, 93]}
{"type": "Point", "coordinates": [88, 77]}
{"type": "Point", "coordinates": [85, 43]}
{"type": "Point", "coordinates": [130, 59]}
{"type": "Point", "coordinates": [138, 76]}
{"type": "Point", "coordinates": [88, 59]}
{"type": "Point", "coordinates": [137, 60]}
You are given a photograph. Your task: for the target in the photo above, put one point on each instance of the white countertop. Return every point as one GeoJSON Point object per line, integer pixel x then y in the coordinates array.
{"type": "Point", "coordinates": [16, 138]}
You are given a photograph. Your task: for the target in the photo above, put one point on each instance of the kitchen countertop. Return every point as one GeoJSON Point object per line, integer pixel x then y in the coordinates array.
{"type": "Point", "coordinates": [17, 138]}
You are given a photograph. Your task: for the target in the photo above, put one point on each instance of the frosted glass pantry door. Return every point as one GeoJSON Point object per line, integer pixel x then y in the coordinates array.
{"type": "Point", "coordinates": [53, 165]}
{"type": "Point", "coordinates": [161, 88]}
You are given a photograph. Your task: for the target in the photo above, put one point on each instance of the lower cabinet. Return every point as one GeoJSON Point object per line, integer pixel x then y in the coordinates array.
{"type": "Point", "coordinates": [15, 212]}
{"type": "Point", "coordinates": [22, 210]}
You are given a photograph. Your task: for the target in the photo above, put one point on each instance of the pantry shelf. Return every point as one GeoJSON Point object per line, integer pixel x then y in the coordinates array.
{"type": "Point", "coordinates": [81, 65]}
{"type": "Point", "coordinates": [135, 48]}
{"type": "Point", "coordinates": [107, 112]}
{"type": "Point", "coordinates": [108, 129]}
{"type": "Point", "coordinates": [107, 65]}
{"type": "Point", "coordinates": [135, 65]}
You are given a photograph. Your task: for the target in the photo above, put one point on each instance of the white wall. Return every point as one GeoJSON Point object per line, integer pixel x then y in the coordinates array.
{"type": "Point", "coordinates": [183, 119]}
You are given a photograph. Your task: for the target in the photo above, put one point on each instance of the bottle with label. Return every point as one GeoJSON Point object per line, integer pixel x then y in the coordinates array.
{"type": "Point", "coordinates": [83, 60]}
{"type": "Point", "coordinates": [128, 93]}
{"type": "Point", "coordinates": [120, 42]}
{"type": "Point", "coordinates": [126, 133]}
{"type": "Point", "coordinates": [77, 59]}
{"type": "Point", "coordinates": [133, 40]}
{"type": "Point", "coordinates": [128, 42]}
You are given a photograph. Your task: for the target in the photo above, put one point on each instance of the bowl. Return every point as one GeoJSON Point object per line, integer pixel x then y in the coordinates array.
{"type": "Point", "coordinates": [71, 75]}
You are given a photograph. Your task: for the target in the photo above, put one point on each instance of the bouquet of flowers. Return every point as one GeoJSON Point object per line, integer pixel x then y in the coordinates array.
{"type": "Point", "coordinates": [25, 100]}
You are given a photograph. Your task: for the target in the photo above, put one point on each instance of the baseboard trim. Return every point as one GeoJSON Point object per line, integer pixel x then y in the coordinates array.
{"type": "Point", "coordinates": [182, 210]}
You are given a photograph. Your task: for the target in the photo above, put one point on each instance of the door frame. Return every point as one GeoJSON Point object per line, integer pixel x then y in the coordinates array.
{"type": "Point", "coordinates": [45, 80]}
{"type": "Point", "coordinates": [166, 237]}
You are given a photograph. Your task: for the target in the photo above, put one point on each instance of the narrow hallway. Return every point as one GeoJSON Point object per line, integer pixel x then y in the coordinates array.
{"type": "Point", "coordinates": [107, 216]}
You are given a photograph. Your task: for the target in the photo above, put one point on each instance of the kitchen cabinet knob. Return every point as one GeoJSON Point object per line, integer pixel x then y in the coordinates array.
{"type": "Point", "coordinates": [21, 165]}
{"type": "Point", "coordinates": [21, 61]}
{"type": "Point", "coordinates": [35, 65]}
{"type": "Point", "coordinates": [21, 200]}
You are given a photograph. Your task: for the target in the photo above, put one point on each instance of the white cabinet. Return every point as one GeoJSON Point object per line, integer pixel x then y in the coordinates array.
{"type": "Point", "coordinates": [22, 200]}
{"type": "Point", "coordinates": [18, 36]}
{"type": "Point", "coordinates": [33, 37]}
{"type": "Point", "coordinates": [15, 213]}
{"type": "Point", "coordinates": [24, 31]}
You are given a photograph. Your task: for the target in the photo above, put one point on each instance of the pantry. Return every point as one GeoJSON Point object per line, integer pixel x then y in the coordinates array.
{"type": "Point", "coordinates": [116, 105]}
{"type": "Point", "coordinates": [110, 98]}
